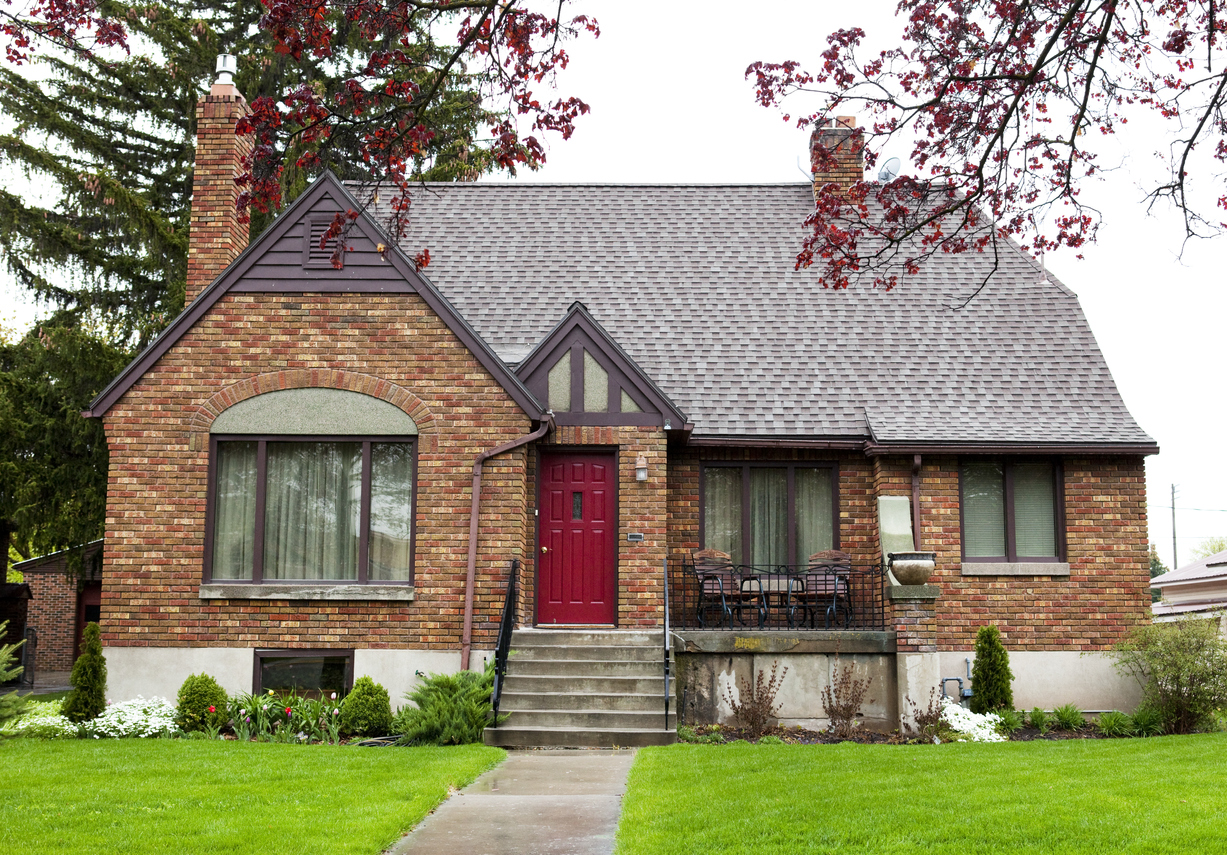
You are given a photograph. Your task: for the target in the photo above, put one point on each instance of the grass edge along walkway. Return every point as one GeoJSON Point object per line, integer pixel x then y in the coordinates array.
{"type": "Point", "coordinates": [1160, 795]}
{"type": "Point", "coordinates": [141, 796]}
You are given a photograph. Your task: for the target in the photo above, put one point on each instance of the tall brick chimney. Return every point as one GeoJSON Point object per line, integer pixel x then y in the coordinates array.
{"type": "Point", "coordinates": [216, 237]}
{"type": "Point", "coordinates": [841, 137]}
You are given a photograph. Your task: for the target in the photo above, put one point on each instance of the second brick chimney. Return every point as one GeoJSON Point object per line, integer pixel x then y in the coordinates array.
{"type": "Point", "coordinates": [216, 236]}
{"type": "Point", "coordinates": [841, 137]}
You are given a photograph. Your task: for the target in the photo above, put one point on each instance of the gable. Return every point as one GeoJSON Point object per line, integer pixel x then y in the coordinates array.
{"type": "Point", "coordinates": [284, 259]}
{"type": "Point", "coordinates": [586, 379]}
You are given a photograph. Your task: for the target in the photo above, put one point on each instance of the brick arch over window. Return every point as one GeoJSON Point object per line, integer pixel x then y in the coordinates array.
{"type": "Point", "coordinates": [303, 378]}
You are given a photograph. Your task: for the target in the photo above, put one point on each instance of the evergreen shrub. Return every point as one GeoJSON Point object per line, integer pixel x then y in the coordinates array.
{"type": "Point", "coordinates": [12, 704]}
{"type": "Point", "coordinates": [202, 704]}
{"type": "Point", "coordinates": [990, 673]}
{"type": "Point", "coordinates": [451, 709]}
{"type": "Point", "coordinates": [367, 711]}
{"type": "Point", "coordinates": [87, 699]}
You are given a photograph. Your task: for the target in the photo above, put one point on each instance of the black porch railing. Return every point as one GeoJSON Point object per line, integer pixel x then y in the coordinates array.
{"type": "Point", "coordinates": [742, 597]}
{"type": "Point", "coordinates": [503, 648]}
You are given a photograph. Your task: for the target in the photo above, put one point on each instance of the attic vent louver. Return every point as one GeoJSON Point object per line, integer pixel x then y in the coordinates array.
{"type": "Point", "coordinates": [312, 255]}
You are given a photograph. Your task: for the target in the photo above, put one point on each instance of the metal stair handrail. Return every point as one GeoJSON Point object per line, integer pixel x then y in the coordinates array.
{"type": "Point", "coordinates": [505, 626]}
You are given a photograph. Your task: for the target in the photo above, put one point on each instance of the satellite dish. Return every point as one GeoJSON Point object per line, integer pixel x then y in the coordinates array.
{"type": "Point", "coordinates": [890, 169]}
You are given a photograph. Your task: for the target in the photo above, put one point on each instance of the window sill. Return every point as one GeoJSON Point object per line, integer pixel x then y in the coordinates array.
{"type": "Point", "coordinates": [1021, 568]}
{"type": "Point", "coordinates": [282, 591]}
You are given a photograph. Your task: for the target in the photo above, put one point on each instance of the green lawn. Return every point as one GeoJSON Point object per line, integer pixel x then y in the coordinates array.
{"type": "Point", "coordinates": [192, 796]}
{"type": "Point", "coordinates": [1167, 794]}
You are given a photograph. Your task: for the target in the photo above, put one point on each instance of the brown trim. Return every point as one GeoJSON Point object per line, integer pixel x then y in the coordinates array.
{"type": "Point", "coordinates": [790, 466]}
{"type": "Point", "coordinates": [302, 653]}
{"type": "Point", "coordinates": [1058, 498]}
{"type": "Point", "coordinates": [877, 449]}
{"type": "Point", "coordinates": [577, 330]}
{"type": "Point", "coordinates": [257, 570]}
{"type": "Point", "coordinates": [917, 462]}
{"type": "Point", "coordinates": [776, 442]}
{"type": "Point", "coordinates": [309, 224]}
{"type": "Point", "coordinates": [326, 185]}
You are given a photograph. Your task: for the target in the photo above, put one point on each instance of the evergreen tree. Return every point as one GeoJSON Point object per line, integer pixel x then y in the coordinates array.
{"type": "Point", "coordinates": [87, 699]}
{"type": "Point", "coordinates": [12, 704]}
{"type": "Point", "coordinates": [990, 673]}
{"type": "Point", "coordinates": [1157, 568]}
{"type": "Point", "coordinates": [53, 463]}
{"type": "Point", "coordinates": [109, 140]}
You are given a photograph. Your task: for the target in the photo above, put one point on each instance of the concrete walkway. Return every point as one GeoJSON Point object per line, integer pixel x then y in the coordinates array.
{"type": "Point", "coordinates": [551, 802]}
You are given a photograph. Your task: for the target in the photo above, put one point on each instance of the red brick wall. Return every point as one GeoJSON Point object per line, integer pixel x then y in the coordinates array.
{"type": "Point", "coordinates": [1107, 591]}
{"type": "Point", "coordinates": [255, 342]}
{"type": "Point", "coordinates": [53, 614]}
{"type": "Point", "coordinates": [1105, 509]}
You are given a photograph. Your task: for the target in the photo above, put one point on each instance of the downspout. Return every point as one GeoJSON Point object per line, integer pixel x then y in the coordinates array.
{"type": "Point", "coordinates": [471, 579]}
{"type": "Point", "coordinates": [916, 502]}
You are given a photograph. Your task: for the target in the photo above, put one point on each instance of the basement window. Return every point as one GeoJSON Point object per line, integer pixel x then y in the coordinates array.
{"type": "Point", "coordinates": [310, 673]}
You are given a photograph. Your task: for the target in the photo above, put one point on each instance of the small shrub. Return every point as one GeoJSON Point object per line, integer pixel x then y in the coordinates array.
{"type": "Point", "coordinates": [1068, 717]}
{"type": "Point", "coordinates": [929, 723]}
{"type": "Point", "coordinates": [990, 673]}
{"type": "Point", "coordinates": [688, 734]}
{"type": "Point", "coordinates": [1011, 720]}
{"type": "Point", "coordinates": [1147, 721]}
{"type": "Point", "coordinates": [755, 706]}
{"type": "Point", "coordinates": [841, 700]}
{"type": "Point", "coordinates": [1040, 720]}
{"type": "Point", "coordinates": [1114, 723]}
{"type": "Point", "coordinates": [202, 704]}
{"type": "Point", "coordinates": [1182, 668]}
{"type": "Point", "coordinates": [770, 739]}
{"type": "Point", "coordinates": [87, 699]}
{"type": "Point", "coordinates": [366, 710]}
{"type": "Point", "coordinates": [451, 709]}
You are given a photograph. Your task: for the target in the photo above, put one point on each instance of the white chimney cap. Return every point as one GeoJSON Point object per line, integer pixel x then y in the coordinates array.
{"type": "Point", "coordinates": [227, 65]}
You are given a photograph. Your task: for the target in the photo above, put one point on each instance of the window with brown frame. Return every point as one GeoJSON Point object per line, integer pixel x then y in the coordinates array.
{"type": "Point", "coordinates": [313, 673]}
{"type": "Point", "coordinates": [1011, 510]}
{"type": "Point", "coordinates": [769, 512]}
{"type": "Point", "coordinates": [286, 510]}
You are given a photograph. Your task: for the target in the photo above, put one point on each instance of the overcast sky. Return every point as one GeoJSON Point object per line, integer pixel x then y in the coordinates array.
{"type": "Point", "coordinates": [670, 104]}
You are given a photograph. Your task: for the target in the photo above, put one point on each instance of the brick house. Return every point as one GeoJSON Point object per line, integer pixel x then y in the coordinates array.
{"type": "Point", "coordinates": [626, 374]}
{"type": "Point", "coordinates": [62, 603]}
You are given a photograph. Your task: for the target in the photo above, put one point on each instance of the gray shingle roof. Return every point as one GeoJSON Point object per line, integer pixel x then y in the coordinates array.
{"type": "Point", "coordinates": [697, 284]}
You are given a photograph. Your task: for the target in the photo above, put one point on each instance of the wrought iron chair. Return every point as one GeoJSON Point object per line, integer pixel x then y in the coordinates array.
{"type": "Point", "coordinates": [722, 586]}
{"type": "Point", "coordinates": [822, 585]}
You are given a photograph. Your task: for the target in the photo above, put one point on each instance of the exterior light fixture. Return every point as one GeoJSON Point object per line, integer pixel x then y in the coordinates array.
{"type": "Point", "coordinates": [641, 468]}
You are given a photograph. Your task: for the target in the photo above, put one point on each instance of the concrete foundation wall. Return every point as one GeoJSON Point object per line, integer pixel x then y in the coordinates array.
{"type": "Point", "coordinates": [159, 671]}
{"type": "Point", "coordinates": [1048, 679]}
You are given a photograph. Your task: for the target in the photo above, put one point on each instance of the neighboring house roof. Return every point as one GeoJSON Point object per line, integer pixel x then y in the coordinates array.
{"type": "Point", "coordinates": [54, 562]}
{"type": "Point", "coordinates": [1204, 570]}
{"type": "Point", "coordinates": [697, 285]}
{"type": "Point", "coordinates": [278, 261]}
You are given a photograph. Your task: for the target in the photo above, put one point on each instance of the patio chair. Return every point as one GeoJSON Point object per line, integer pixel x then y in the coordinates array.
{"type": "Point", "coordinates": [823, 586]}
{"type": "Point", "coordinates": [722, 586]}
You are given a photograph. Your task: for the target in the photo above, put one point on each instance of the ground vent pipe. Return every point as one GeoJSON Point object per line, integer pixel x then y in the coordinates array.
{"type": "Point", "coordinates": [470, 581]}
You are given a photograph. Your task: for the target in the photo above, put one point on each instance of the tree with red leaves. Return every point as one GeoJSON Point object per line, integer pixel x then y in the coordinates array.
{"type": "Point", "coordinates": [999, 101]}
{"type": "Point", "coordinates": [416, 55]}
{"type": "Point", "coordinates": [79, 26]}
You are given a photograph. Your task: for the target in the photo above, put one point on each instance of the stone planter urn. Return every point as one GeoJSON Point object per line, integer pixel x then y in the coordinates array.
{"type": "Point", "coordinates": [912, 568]}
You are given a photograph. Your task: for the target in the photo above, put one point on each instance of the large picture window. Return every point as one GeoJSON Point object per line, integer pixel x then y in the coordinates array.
{"type": "Point", "coordinates": [769, 513]}
{"type": "Point", "coordinates": [330, 509]}
{"type": "Point", "coordinates": [1011, 510]}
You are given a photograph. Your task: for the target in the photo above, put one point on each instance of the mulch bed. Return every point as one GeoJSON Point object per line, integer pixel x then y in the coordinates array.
{"type": "Point", "coordinates": [801, 736]}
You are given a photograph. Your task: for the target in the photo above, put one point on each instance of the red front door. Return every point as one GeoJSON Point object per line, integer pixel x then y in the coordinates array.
{"type": "Point", "coordinates": [577, 579]}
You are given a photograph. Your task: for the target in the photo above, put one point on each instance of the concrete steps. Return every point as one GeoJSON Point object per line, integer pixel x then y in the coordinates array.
{"type": "Point", "coordinates": [584, 688]}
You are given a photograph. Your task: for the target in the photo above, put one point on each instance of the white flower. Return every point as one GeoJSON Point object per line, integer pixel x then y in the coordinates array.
{"type": "Point", "coordinates": [970, 726]}
{"type": "Point", "coordinates": [139, 717]}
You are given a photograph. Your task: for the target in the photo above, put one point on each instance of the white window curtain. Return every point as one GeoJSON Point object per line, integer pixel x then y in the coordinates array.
{"type": "Point", "coordinates": [234, 511]}
{"type": "Point", "coordinates": [983, 510]}
{"type": "Point", "coordinates": [391, 512]}
{"type": "Point", "coordinates": [814, 512]}
{"type": "Point", "coordinates": [1035, 522]}
{"type": "Point", "coordinates": [313, 502]}
{"type": "Point", "coordinates": [722, 510]}
{"type": "Point", "coordinates": [769, 515]}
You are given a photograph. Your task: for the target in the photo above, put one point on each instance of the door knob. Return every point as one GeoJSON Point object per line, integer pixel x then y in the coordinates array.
{"type": "Point", "coordinates": [544, 549]}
